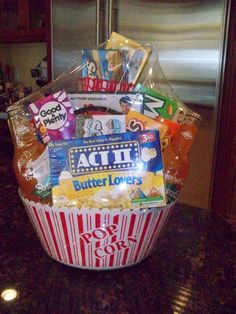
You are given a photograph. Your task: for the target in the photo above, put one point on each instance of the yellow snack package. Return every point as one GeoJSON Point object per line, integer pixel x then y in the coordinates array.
{"type": "Point", "coordinates": [109, 171]}
{"type": "Point", "coordinates": [137, 54]}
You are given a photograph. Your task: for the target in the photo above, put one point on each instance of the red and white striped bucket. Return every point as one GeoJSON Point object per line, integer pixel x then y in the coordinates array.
{"type": "Point", "coordinates": [97, 239]}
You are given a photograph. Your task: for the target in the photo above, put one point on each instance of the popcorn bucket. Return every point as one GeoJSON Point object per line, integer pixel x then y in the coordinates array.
{"type": "Point", "coordinates": [81, 157]}
{"type": "Point", "coordinates": [97, 239]}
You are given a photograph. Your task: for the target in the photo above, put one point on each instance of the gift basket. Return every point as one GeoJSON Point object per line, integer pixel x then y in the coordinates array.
{"type": "Point", "coordinates": [101, 154]}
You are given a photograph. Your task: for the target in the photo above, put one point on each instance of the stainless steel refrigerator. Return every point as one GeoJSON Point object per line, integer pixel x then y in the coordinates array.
{"type": "Point", "coordinates": [190, 37]}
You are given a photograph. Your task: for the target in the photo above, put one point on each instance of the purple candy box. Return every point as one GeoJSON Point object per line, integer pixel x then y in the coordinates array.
{"type": "Point", "coordinates": [54, 117]}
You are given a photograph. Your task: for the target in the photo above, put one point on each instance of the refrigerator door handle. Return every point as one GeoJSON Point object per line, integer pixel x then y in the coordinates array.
{"type": "Point", "coordinates": [98, 22]}
{"type": "Point", "coordinates": [112, 16]}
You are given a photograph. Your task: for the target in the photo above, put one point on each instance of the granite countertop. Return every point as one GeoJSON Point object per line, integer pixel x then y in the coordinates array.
{"type": "Point", "coordinates": [192, 269]}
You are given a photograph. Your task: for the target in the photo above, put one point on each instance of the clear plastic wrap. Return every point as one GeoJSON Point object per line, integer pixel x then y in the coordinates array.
{"type": "Point", "coordinates": [107, 140]}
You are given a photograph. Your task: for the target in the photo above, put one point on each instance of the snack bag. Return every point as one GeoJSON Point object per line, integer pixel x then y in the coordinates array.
{"type": "Point", "coordinates": [95, 125]}
{"type": "Point", "coordinates": [119, 102]}
{"type": "Point", "coordinates": [137, 54]}
{"type": "Point", "coordinates": [54, 117]}
{"type": "Point", "coordinates": [110, 171]}
{"type": "Point", "coordinates": [104, 64]}
{"type": "Point", "coordinates": [136, 122]}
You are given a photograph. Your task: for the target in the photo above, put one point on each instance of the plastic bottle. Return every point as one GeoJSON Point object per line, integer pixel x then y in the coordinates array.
{"type": "Point", "coordinates": [176, 156]}
{"type": "Point", "coordinates": [173, 129]}
{"type": "Point", "coordinates": [30, 161]}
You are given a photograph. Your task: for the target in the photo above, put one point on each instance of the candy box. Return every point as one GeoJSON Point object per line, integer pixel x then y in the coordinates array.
{"type": "Point", "coordinates": [54, 117]}
{"type": "Point", "coordinates": [156, 104]}
{"type": "Point", "coordinates": [119, 170]}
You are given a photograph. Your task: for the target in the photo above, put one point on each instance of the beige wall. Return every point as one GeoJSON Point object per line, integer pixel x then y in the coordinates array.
{"type": "Point", "coordinates": [23, 57]}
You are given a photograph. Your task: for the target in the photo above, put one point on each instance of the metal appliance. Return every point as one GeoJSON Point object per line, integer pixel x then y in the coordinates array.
{"type": "Point", "coordinates": [190, 38]}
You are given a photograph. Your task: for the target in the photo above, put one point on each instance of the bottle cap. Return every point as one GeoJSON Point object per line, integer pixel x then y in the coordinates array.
{"type": "Point", "coordinates": [191, 117]}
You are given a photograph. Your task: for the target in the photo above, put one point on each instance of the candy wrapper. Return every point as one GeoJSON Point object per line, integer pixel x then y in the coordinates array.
{"type": "Point", "coordinates": [101, 155]}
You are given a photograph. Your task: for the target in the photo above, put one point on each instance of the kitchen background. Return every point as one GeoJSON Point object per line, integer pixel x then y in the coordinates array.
{"type": "Point", "coordinates": [189, 36]}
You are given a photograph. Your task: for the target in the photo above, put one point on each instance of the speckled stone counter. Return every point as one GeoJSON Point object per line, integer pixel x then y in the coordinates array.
{"type": "Point", "coordinates": [192, 270]}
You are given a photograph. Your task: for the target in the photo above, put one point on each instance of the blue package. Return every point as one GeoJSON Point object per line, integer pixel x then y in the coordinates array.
{"type": "Point", "coordinates": [119, 170]}
{"type": "Point", "coordinates": [105, 64]}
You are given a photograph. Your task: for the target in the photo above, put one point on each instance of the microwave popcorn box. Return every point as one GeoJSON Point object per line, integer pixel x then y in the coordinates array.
{"type": "Point", "coordinates": [119, 170]}
{"type": "Point", "coordinates": [97, 239]}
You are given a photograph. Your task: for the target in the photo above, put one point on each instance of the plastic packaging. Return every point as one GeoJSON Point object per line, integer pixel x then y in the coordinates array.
{"type": "Point", "coordinates": [176, 155]}
{"type": "Point", "coordinates": [108, 200]}
{"type": "Point", "coordinates": [30, 162]}
{"type": "Point", "coordinates": [112, 171]}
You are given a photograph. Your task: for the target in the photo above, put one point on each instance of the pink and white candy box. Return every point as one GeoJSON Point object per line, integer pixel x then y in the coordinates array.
{"type": "Point", "coordinates": [97, 239]}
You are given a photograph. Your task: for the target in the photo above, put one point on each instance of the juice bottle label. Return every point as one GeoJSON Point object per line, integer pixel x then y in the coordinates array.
{"type": "Point", "coordinates": [173, 187]}
{"type": "Point", "coordinates": [20, 131]}
{"type": "Point", "coordinates": [40, 171]}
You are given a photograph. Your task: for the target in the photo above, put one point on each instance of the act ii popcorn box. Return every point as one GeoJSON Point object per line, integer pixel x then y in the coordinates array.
{"type": "Point", "coordinates": [110, 171]}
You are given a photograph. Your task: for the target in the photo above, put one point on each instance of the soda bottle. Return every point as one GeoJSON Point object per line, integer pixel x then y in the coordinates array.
{"type": "Point", "coordinates": [173, 129]}
{"type": "Point", "coordinates": [176, 156]}
{"type": "Point", "coordinates": [30, 161]}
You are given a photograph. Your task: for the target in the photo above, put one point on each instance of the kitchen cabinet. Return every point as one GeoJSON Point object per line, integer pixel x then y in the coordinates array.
{"type": "Point", "coordinates": [24, 21]}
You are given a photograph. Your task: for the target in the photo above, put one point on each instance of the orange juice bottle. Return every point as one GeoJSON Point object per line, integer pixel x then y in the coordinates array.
{"type": "Point", "coordinates": [30, 161]}
{"type": "Point", "coordinates": [176, 156]}
{"type": "Point", "coordinates": [173, 129]}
